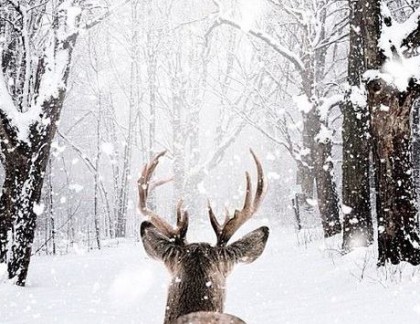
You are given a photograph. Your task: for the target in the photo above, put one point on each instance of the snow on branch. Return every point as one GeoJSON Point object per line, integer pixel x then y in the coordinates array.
{"type": "Point", "coordinates": [52, 82]}
{"type": "Point", "coordinates": [328, 103]}
{"type": "Point", "coordinates": [51, 67]}
{"type": "Point", "coordinates": [17, 120]}
{"type": "Point", "coordinates": [398, 36]}
{"type": "Point", "coordinates": [398, 42]}
{"type": "Point", "coordinates": [403, 35]}
{"type": "Point", "coordinates": [103, 17]}
{"type": "Point", "coordinates": [270, 41]}
{"type": "Point", "coordinates": [51, 70]}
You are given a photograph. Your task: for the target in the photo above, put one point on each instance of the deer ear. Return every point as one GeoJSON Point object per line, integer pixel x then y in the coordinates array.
{"type": "Point", "coordinates": [250, 247]}
{"type": "Point", "coordinates": [156, 245]}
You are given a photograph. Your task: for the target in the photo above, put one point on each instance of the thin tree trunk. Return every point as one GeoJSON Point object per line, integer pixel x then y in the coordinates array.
{"type": "Point", "coordinates": [120, 230]}
{"type": "Point", "coordinates": [295, 204]}
{"type": "Point", "coordinates": [152, 78]}
{"type": "Point", "coordinates": [51, 209]}
{"type": "Point", "coordinates": [96, 176]}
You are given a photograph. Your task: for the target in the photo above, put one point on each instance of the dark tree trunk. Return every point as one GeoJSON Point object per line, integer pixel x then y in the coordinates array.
{"type": "Point", "coordinates": [390, 112]}
{"type": "Point", "coordinates": [24, 218]}
{"type": "Point", "coordinates": [416, 145]}
{"type": "Point", "coordinates": [295, 204]}
{"type": "Point", "coordinates": [306, 180]}
{"type": "Point", "coordinates": [398, 236]}
{"type": "Point", "coordinates": [24, 176]}
{"type": "Point", "coordinates": [326, 189]}
{"type": "Point", "coordinates": [357, 219]}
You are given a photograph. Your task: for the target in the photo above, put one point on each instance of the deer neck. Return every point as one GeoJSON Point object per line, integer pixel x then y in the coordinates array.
{"type": "Point", "coordinates": [190, 293]}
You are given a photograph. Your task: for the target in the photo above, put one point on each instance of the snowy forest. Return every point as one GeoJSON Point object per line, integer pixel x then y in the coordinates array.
{"type": "Point", "coordinates": [125, 123]}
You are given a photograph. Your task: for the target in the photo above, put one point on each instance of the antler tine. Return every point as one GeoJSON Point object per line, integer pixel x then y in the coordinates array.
{"type": "Point", "coordinates": [181, 220]}
{"type": "Point", "coordinates": [249, 208]}
{"type": "Point", "coordinates": [227, 216]}
{"type": "Point", "coordinates": [261, 184]}
{"type": "Point", "coordinates": [143, 187]}
{"type": "Point", "coordinates": [248, 192]}
{"type": "Point", "coordinates": [151, 166]}
{"type": "Point", "coordinates": [213, 220]}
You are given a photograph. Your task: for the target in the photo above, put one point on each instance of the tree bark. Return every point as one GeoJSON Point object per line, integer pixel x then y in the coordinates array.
{"type": "Point", "coordinates": [357, 219]}
{"type": "Point", "coordinates": [398, 235]}
{"type": "Point", "coordinates": [326, 190]}
{"type": "Point", "coordinates": [324, 180]}
{"type": "Point", "coordinates": [25, 169]}
{"type": "Point", "coordinates": [390, 112]}
{"type": "Point", "coordinates": [416, 145]}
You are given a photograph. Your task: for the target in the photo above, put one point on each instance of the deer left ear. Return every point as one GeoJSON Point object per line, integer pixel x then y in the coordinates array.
{"type": "Point", "coordinates": [155, 244]}
{"type": "Point", "coordinates": [250, 247]}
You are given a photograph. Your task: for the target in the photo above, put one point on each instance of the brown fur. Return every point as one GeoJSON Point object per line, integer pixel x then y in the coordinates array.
{"type": "Point", "coordinates": [209, 318]}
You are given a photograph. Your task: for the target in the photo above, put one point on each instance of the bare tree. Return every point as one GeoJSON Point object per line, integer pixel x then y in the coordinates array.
{"type": "Point", "coordinates": [307, 53]}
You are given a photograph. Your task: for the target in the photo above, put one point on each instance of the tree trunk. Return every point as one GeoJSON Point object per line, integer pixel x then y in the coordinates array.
{"type": "Point", "coordinates": [416, 145]}
{"type": "Point", "coordinates": [121, 230]}
{"type": "Point", "coordinates": [322, 168]}
{"type": "Point", "coordinates": [326, 189]}
{"type": "Point", "coordinates": [321, 149]}
{"type": "Point", "coordinates": [51, 209]}
{"type": "Point", "coordinates": [318, 163]}
{"type": "Point", "coordinates": [357, 219]}
{"type": "Point", "coordinates": [306, 179]}
{"type": "Point", "coordinates": [398, 236]}
{"type": "Point", "coordinates": [96, 178]}
{"type": "Point", "coordinates": [24, 178]}
{"type": "Point", "coordinates": [390, 112]}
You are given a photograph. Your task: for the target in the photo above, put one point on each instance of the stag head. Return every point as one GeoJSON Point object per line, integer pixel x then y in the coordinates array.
{"type": "Point", "coordinates": [199, 270]}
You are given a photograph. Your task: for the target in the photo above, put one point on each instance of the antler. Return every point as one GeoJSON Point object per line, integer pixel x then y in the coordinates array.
{"type": "Point", "coordinates": [231, 225]}
{"type": "Point", "coordinates": [144, 187]}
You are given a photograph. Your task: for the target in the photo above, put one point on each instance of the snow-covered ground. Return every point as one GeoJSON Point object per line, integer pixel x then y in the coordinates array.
{"type": "Point", "coordinates": [290, 283]}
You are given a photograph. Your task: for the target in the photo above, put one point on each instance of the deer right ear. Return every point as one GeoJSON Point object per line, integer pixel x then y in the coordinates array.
{"type": "Point", "coordinates": [250, 247]}
{"type": "Point", "coordinates": [156, 245]}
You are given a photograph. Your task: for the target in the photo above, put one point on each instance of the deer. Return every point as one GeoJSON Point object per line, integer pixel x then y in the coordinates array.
{"type": "Point", "coordinates": [198, 271]}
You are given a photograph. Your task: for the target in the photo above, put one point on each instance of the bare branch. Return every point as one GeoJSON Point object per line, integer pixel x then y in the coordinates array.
{"type": "Point", "coordinates": [279, 48]}
{"type": "Point", "coordinates": [109, 13]}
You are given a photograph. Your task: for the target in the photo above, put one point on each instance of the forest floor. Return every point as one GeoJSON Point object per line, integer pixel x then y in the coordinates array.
{"type": "Point", "coordinates": [299, 279]}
